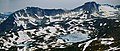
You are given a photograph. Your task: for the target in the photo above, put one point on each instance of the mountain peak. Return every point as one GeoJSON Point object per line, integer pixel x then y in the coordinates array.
{"type": "Point", "coordinates": [91, 7]}
{"type": "Point", "coordinates": [88, 7]}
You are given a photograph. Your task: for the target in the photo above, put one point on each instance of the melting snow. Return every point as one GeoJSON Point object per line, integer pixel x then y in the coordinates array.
{"type": "Point", "coordinates": [75, 37]}
{"type": "Point", "coordinates": [22, 37]}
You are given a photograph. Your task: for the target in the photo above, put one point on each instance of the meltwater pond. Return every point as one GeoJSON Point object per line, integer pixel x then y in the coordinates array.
{"type": "Point", "coordinates": [75, 37]}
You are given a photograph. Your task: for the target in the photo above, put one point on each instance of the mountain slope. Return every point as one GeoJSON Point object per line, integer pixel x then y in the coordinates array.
{"type": "Point", "coordinates": [81, 29]}
{"type": "Point", "coordinates": [27, 17]}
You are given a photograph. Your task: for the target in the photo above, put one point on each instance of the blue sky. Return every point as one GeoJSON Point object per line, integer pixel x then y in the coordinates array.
{"type": "Point", "coordinates": [13, 5]}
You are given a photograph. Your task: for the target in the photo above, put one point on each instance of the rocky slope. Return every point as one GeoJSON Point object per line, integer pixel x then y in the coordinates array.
{"type": "Point", "coordinates": [81, 29]}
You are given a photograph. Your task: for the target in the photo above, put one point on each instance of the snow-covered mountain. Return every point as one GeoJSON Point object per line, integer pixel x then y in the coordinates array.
{"type": "Point", "coordinates": [96, 10]}
{"type": "Point", "coordinates": [3, 17]}
{"type": "Point", "coordinates": [89, 7]}
{"type": "Point", "coordinates": [33, 16]}
{"type": "Point", "coordinates": [34, 27]}
{"type": "Point", "coordinates": [28, 17]}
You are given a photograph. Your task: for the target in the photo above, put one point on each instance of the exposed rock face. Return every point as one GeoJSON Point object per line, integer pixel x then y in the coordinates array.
{"type": "Point", "coordinates": [88, 7]}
